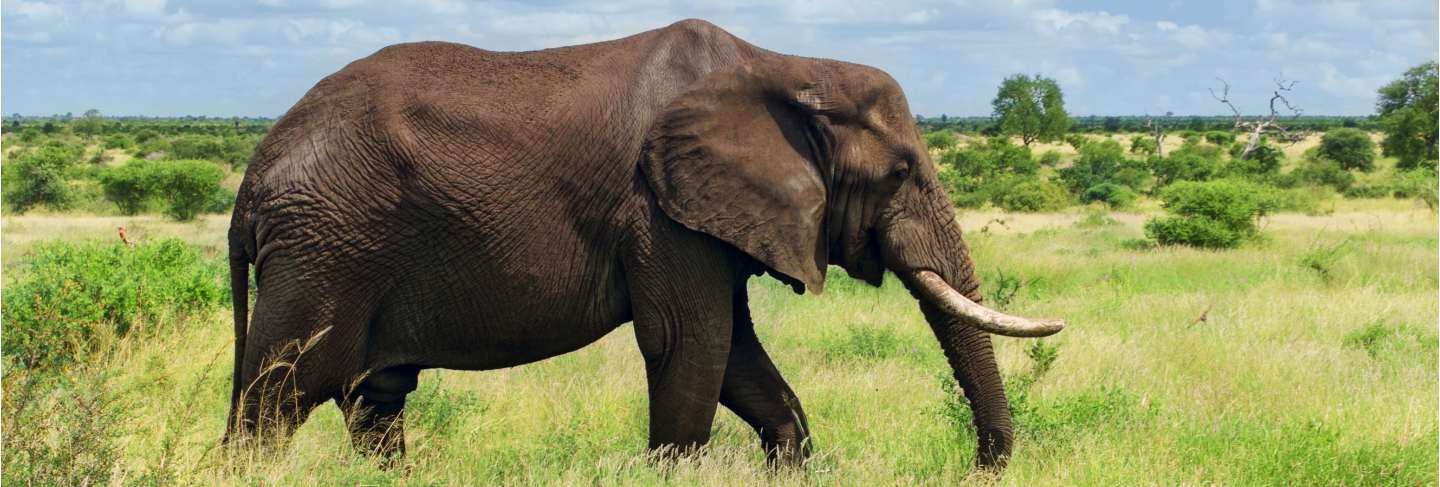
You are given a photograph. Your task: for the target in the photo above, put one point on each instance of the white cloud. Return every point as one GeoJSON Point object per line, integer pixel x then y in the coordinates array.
{"type": "Point", "coordinates": [1052, 20]}
{"type": "Point", "coordinates": [146, 8]}
{"type": "Point", "coordinates": [1166, 25]}
{"type": "Point", "coordinates": [38, 11]}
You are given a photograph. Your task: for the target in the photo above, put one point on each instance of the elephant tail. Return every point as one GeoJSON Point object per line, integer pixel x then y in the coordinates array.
{"type": "Point", "coordinates": [240, 297]}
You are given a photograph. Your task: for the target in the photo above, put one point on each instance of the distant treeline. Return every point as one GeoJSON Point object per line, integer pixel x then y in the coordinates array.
{"type": "Point", "coordinates": [973, 125]}
{"type": "Point", "coordinates": [94, 124]}
{"type": "Point", "coordinates": [1136, 123]}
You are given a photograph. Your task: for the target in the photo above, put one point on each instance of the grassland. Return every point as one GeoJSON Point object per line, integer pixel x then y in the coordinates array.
{"type": "Point", "coordinates": [1306, 358]}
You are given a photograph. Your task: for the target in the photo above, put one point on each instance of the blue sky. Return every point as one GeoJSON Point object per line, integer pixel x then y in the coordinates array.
{"type": "Point", "coordinates": [221, 58]}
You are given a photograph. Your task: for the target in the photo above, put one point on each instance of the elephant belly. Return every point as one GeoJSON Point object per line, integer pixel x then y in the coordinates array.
{"type": "Point", "coordinates": [496, 322]}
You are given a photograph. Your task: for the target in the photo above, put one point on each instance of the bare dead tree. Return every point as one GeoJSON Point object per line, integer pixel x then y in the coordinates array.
{"type": "Point", "coordinates": [1157, 131]}
{"type": "Point", "coordinates": [1261, 125]}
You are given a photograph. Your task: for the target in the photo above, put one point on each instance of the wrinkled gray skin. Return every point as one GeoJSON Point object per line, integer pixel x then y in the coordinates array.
{"type": "Point", "coordinates": [437, 205]}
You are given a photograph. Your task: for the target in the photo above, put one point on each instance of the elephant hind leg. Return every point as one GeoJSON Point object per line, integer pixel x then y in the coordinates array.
{"type": "Point", "coordinates": [374, 412]}
{"type": "Point", "coordinates": [305, 343]}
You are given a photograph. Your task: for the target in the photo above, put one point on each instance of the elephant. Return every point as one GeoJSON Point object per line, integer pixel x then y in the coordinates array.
{"type": "Point", "coordinates": [436, 205]}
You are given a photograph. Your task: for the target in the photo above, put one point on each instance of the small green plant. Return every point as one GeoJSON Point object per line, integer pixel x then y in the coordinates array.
{"type": "Point", "coordinates": [438, 411]}
{"type": "Point", "coordinates": [1004, 287]}
{"type": "Point", "coordinates": [866, 343]}
{"type": "Point", "coordinates": [1049, 158]}
{"type": "Point", "coordinates": [1096, 217]}
{"type": "Point", "coordinates": [1371, 338]}
{"type": "Point", "coordinates": [1322, 258]}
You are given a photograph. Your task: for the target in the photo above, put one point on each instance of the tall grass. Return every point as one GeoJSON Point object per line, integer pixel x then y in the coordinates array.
{"type": "Point", "coordinates": [1295, 376]}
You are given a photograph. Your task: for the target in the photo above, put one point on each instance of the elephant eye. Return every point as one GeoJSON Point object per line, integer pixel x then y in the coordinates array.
{"type": "Point", "coordinates": [901, 171]}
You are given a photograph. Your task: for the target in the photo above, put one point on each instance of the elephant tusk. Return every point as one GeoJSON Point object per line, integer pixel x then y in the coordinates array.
{"type": "Point", "coordinates": [950, 301]}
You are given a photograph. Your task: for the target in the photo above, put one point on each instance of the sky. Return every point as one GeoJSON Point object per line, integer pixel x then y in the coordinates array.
{"type": "Point", "coordinates": [228, 58]}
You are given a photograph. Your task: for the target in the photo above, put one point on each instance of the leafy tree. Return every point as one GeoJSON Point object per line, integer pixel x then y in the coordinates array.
{"type": "Point", "coordinates": [91, 123]}
{"type": "Point", "coordinates": [1102, 162]}
{"type": "Point", "coordinates": [38, 178]}
{"type": "Point", "coordinates": [1032, 108]}
{"type": "Point", "coordinates": [1408, 109]}
{"type": "Point", "coordinates": [1351, 148]}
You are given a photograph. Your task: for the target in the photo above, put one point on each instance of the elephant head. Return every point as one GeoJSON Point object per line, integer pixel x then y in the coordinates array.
{"type": "Point", "coordinates": [803, 163]}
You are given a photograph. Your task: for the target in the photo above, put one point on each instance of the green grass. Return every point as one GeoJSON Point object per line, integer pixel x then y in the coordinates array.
{"type": "Point", "coordinates": [1315, 363]}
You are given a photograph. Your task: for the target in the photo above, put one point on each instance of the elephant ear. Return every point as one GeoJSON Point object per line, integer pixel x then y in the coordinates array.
{"type": "Point", "coordinates": [736, 157]}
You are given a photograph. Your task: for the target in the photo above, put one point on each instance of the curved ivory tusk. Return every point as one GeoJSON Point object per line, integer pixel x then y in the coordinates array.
{"type": "Point", "coordinates": [950, 301]}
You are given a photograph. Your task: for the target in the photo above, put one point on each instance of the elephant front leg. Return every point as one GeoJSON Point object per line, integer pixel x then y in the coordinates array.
{"type": "Point", "coordinates": [685, 343]}
{"type": "Point", "coordinates": [755, 391]}
{"type": "Point", "coordinates": [681, 286]}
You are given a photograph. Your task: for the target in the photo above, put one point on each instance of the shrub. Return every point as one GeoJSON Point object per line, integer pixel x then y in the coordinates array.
{"type": "Point", "coordinates": [1033, 195]}
{"type": "Point", "coordinates": [1263, 163]}
{"type": "Point", "coordinates": [71, 290]}
{"type": "Point", "coordinates": [1102, 162]}
{"type": "Point", "coordinates": [1220, 137]}
{"type": "Point", "coordinates": [1113, 195]}
{"type": "Point", "coordinates": [940, 139]}
{"type": "Point", "coordinates": [38, 178]}
{"type": "Point", "coordinates": [1417, 183]}
{"type": "Point", "coordinates": [1321, 172]}
{"type": "Point", "coordinates": [127, 186]}
{"type": "Point", "coordinates": [186, 187]}
{"type": "Point", "coordinates": [197, 147]}
{"type": "Point", "coordinates": [1352, 148]}
{"type": "Point", "coordinates": [1077, 141]}
{"type": "Point", "coordinates": [118, 141]}
{"type": "Point", "coordinates": [1143, 145]}
{"type": "Point", "coordinates": [1183, 165]}
{"type": "Point", "coordinates": [1213, 214]}
{"type": "Point", "coordinates": [1049, 158]}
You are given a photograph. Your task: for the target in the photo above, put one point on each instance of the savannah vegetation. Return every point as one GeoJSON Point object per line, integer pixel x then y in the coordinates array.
{"type": "Point", "coordinates": [1266, 319]}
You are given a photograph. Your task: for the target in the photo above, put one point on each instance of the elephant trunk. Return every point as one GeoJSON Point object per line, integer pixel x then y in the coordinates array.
{"type": "Point", "coordinates": [934, 262]}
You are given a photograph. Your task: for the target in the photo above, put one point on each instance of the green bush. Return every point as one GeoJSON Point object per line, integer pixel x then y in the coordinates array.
{"type": "Point", "coordinates": [1352, 148]}
{"type": "Point", "coordinates": [1049, 158]}
{"type": "Point", "coordinates": [69, 291]}
{"type": "Point", "coordinates": [186, 187]}
{"type": "Point", "coordinates": [940, 139]}
{"type": "Point", "coordinates": [1320, 172]}
{"type": "Point", "coordinates": [127, 186]}
{"type": "Point", "coordinates": [1143, 145]}
{"type": "Point", "coordinates": [118, 141]}
{"type": "Point", "coordinates": [1220, 137]}
{"type": "Point", "coordinates": [1113, 195]}
{"type": "Point", "coordinates": [1183, 165]}
{"type": "Point", "coordinates": [1103, 162]}
{"type": "Point", "coordinates": [1077, 141]}
{"type": "Point", "coordinates": [1417, 183]}
{"type": "Point", "coordinates": [37, 177]}
{"type": "Point", "coordinates": [1213, 214]}
{"type": "Point", "coordinates": [1034, 195]}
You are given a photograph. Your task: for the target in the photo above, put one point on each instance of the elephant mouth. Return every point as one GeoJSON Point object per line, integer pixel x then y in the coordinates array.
{"type": "Point", "coordinates": [934, 290]}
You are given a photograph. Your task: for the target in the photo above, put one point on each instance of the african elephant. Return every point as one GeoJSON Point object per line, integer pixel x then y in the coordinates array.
{"type": "Point", "coordinates": [436, 205]}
